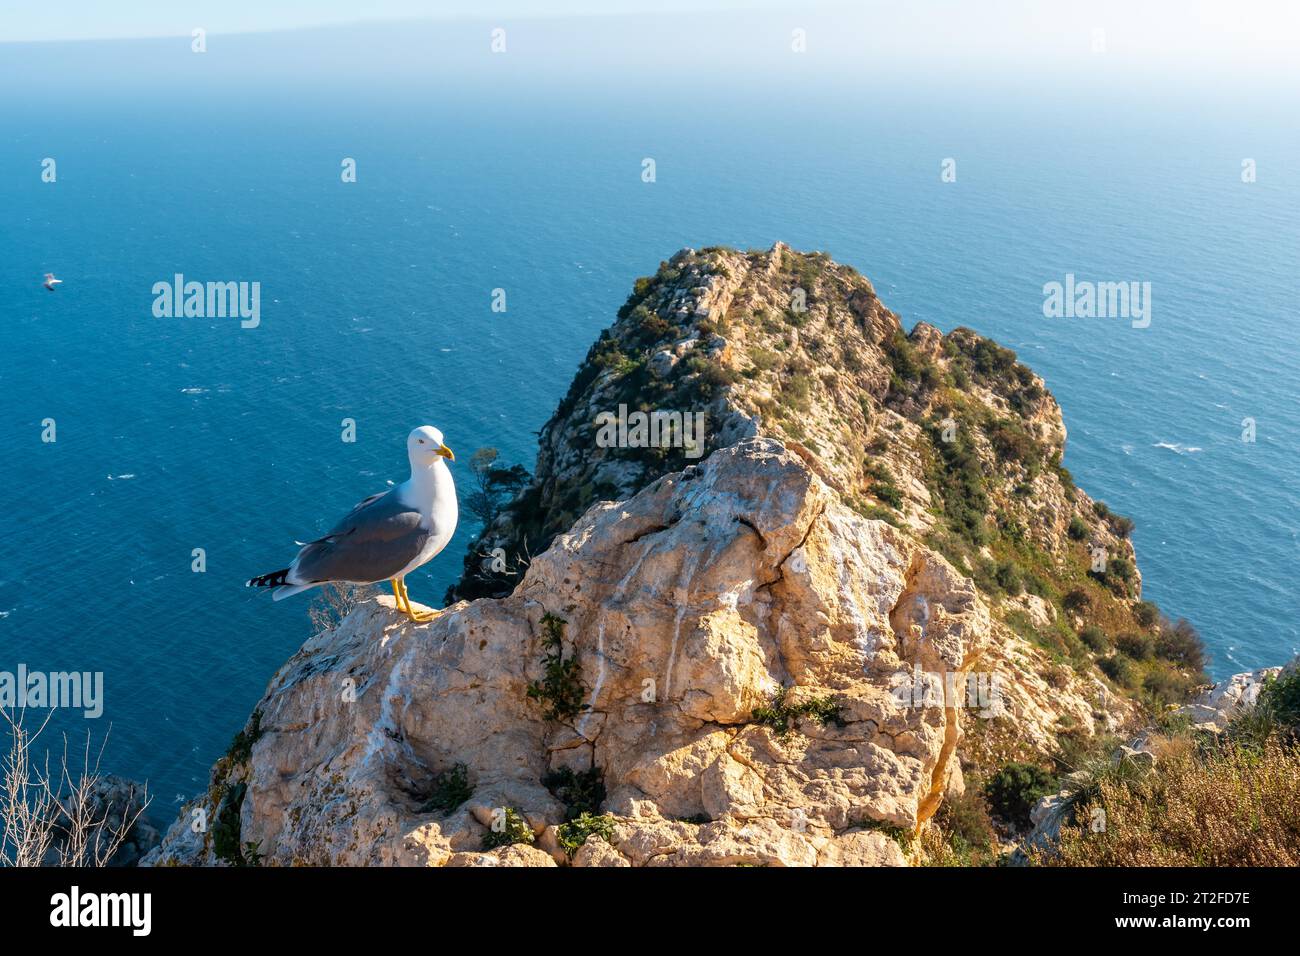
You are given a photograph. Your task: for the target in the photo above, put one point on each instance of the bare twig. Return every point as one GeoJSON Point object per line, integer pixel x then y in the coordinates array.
{"type": "Point", "coordinates": [60, 818]}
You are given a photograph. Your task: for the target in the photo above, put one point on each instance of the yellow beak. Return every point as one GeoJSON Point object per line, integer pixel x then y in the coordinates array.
{"type": "Point", "coordinates": [446, 452]}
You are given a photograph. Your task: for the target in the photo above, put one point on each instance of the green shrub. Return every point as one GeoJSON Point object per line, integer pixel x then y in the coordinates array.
{"type": "Point", "coordinates": [984, 573]}
{"type": "Point", "coordinates": [900, 835]}
{"type": "Point", "coordinates": [1076, 600]}
{"type": "Point", "coordinates": [1095, 638]}
{"type": "Point", "coordinates": [650, 326]}
{"type": "Point", "coordinates": [450, 789]}
{"type": "Point", "coordinates": [1036, 585]}
{"type": "Point", "coordinates": [561, 690]}
{"type": "Point", "coordinates": [581, 793]}
{"type": "Point", "coordinates": [1119, 669]}
{"type": "Point", "coordinates": [874, 512]}
{"type": "Point", "coordinates": [1007, 576]}
{"type": "Point", "coordinates": [226, 843]}
{"type": "Point", "coordinates": [1165, 686]}
{"type": "Point", "coordinates": [796, 392]}
{"type": "Point", "coordinates": [958, 477]}
{"type": "Point", "coordinates": [1146, 613]}
{"type": "Point", "coordinates": [1078, 530]}
{"type": "Point", "coordinates": [1056, 638]}
{"type": "Point", "coordinates": [1012, 443]}
{"type": "Point", "coordinates": [1181, 644]}
{"type": "Point", "coordinates": [903, 359]}
{"type": "Point", "coordinates": [1140, 647]}
{"type": "Point", "coordinates": [889, 494]}
{"type": "Point", "coordinates": [1063, 475]}
{"type": "Point", "coordinates": [1279, 702]}
{"type": "Point", "coordinates": [241, 747]}
{"type": "Point", "coordinates": [1117, 576]}
{"type": "Point", "coordinates": [782, 716]}
{"type": "Point", "coordinates": [764, 359]}
{"type": "Point", "coordinates": [1015, 788]}
{"type": "Point", "coordinates": [884, 487]}
{"type": "Point", "coordinates": [711, 380]}
{"type": "Point", "coordinates": [1121, 525]}
{"type": "Point", "coordinates": [966, 823]}
{"type": "Point", "coordinates": [573, 834]}
{"type": "Point", "coordinates": [514, 829]}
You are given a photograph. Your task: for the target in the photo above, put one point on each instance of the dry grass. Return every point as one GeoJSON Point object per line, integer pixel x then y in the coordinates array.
{"type": "Point", "coordinates": [961, 833]}
{"type": "Point", "coordinates": [1226, 805]}
{"type": "Point", "coordinates": [334, 602]}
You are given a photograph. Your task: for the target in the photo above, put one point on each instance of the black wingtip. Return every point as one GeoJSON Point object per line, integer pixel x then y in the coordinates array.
{"type": "Point", "coordinates": [272, 579]}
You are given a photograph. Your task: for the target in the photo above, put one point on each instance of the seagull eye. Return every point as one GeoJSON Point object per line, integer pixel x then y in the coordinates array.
{"type": "Point", "coordinates": [420, 440]}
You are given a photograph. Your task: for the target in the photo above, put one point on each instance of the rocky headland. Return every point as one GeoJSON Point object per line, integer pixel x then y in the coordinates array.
{"type": "Point", "coordinates": [870, 589]}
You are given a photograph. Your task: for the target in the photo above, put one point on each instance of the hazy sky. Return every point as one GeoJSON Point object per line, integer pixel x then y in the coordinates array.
{"type": "Point", "coordinates": [95, 19]}
{"type": "Point", "coordinates": [1245, 45]}
{"type": "Point", "coordinates": [1244, 32]}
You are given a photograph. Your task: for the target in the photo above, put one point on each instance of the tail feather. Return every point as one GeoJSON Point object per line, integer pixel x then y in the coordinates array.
{"type": "Point", "coordinates": [289, 590]}
{"type": "Point", "coordinates": [272, 579]}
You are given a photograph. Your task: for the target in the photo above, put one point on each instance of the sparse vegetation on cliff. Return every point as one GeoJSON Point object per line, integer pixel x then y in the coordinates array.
{"type": "Point", "coordinates": [450, 789]}
{"type": "Point", "coordinates": [509, 828]}
{"type": "Point", "coordinates": [1015, 788]}
{"type": "Point", "coordinates": [783, 716]}
{"type": "Point", "coordinates": [1203, 803]}
{"type": "Point", "coordinates": [574, 833]}
{"type": "Point", "coordinates": [747, 567]}
{"type": "Point", "coordinates": [560, 691]}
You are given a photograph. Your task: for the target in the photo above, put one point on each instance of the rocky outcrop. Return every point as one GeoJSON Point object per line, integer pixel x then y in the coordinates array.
{"type": "Point", "coordinates": [770, 653]}
{"type": "Point", "coordinates": [1216, 706]}
{"type": "Point", "coordinates": [799, 348]}
{"type": "Point", "coordinates": [686, 607]}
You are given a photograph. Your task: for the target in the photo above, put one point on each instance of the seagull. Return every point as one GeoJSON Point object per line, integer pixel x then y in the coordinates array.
{"type": "Point", "coordinates": [51, 282]}
{"type": "Point", "coordinates": [386, 536]}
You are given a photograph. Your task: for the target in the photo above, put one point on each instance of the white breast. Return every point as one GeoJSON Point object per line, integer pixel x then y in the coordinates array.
{"type": "Point", "coordinates": [433, 494]}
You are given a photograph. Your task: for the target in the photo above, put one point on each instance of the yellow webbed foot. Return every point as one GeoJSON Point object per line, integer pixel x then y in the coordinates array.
{"type": "Point", "coordinates": [419, 617]}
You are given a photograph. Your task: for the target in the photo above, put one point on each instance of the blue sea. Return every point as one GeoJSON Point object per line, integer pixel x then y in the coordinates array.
{"type": "Point", "coordinates": [175, 434]}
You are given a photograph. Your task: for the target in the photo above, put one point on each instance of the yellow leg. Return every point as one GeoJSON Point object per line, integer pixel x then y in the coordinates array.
{"type": "Point", "coordinates": [402, 604]}
{"type": "Point", "coordinates": [418, 616]}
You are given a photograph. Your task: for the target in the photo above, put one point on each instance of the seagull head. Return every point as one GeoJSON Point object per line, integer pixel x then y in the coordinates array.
{"type": "Point", "coordinates": [424, 446]}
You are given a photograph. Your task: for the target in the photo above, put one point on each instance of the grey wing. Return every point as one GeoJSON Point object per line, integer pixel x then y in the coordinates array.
{"type": "Point", "coordinates": [377, 539]}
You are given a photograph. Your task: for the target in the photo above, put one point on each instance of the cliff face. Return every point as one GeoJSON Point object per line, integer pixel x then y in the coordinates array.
{"type": "Point", "coordinates": [780, 650]}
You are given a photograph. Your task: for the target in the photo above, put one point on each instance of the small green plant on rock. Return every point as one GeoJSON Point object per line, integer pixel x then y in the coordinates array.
{"type": "Point", "coordinates": [226, 844]}
{"type": "Point", "coordinates": [782, 716]}
{"type": "Point", "coordinates": [561, 690]}
{"type": "Point", "coordinates": [241, 747]}
{"type": "Point", "coordinates": [450, 789]}
{"type": "Point", "coordinates": [581, 793]}
{"type": "Point", "coordinates": [572, 835]}
{"type": "Point", "coordinates": [513, 829]}
{"type": "Point", "coordinates": [900, 835]}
